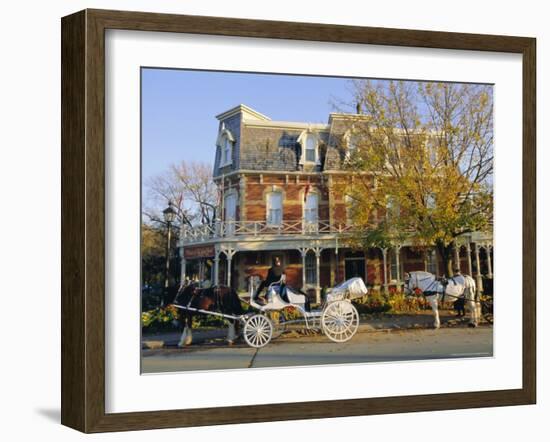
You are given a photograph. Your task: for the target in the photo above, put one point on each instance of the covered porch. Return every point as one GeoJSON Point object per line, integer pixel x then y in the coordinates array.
{"type": "Point", "coordinates": [316, 264]}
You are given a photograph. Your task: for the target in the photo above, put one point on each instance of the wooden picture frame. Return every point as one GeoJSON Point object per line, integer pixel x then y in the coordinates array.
{"type": "Point", "coordinates": [83, 219]}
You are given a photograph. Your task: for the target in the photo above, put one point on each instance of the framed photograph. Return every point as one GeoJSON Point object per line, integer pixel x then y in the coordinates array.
{"type": "Point", "coordinates": [267, 221]}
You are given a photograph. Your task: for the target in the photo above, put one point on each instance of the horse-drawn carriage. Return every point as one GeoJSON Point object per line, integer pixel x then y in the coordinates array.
{"type": "Point", "coordinates": [337, 317]}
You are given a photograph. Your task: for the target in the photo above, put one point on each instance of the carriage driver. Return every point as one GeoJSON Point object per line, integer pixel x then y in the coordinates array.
{"type": "Point", "coordinates": [276, 273]}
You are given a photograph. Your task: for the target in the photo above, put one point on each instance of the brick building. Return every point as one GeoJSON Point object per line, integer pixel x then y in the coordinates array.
{"type": "Point", "coordinates": [277, 184]}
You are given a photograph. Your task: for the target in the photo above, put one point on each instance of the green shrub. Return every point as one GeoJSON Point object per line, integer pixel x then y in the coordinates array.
{"type": "Point", "coordinates": [406, 304]}
{"type": "Point", "coordinates": [372, 303]}
{"type": "Point", "coordinates": [394, 302]}
{"type": "Point", "coordinates": [160, 318]}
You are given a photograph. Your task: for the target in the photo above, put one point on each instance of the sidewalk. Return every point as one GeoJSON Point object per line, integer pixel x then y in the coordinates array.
{"type": "Point", "coordinates": [368, 324]}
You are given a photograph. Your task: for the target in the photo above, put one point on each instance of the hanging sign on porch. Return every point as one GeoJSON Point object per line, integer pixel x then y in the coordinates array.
{"type": "Point", "coordinates": [198, 252]}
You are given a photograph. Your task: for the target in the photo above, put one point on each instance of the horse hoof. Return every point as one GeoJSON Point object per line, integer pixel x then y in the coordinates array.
{"type": "Point", "coordinates": [230, 343]}
{"type": "Point", "coordinates": [472, 325]}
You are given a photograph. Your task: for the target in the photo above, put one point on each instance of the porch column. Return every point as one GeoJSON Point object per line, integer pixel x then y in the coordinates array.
{"type": "Point", "coordinates": [365, 252]}
{"type": "Point", "coordinates": [456, 250]}
{"type": "Point", "coordinates": [337, 259]}
{"type": "Point", "coordinates": [469, 254]}
{"type": "Point", "coordinates": [318, 284]}
{"type": "Point", "coordinates": [183, 269]}
{"type": "Point", "coordinates": [216, 271]}
{"type": "Point", "coordinates": [303, 252]}
{"type": "Point", "coordinates": [229, 253]}
{"type": "Point", "coordinates": [479, 281]}
{"type": "Point", "coordinates": [385, 269]}
{"type": "Point", "coordinates": [337, 267]}
{"type": "Point", "coordinates": [488, 248]}
{"type": "Point", "coordinates": [398, 265]}
{"type": "Point", "coordinates": [332, 271]}
{"type": "Point", "coordinates": [201, 270]}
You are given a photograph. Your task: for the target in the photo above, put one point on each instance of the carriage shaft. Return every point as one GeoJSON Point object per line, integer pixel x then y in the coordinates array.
{"type": "Point", "coordinates": [206, 312]}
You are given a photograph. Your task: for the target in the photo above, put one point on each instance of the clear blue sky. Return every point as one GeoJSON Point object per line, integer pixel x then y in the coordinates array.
{"type": "Point", "coordinates": [179, 108]}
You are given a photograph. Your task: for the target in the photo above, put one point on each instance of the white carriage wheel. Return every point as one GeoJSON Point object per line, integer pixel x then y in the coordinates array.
{"type": "Point", "coordinates": [258, 331]}
{"type": "Point", "coordinates": [340, 321]}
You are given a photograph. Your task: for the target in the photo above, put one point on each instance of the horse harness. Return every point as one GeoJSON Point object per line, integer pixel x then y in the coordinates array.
{"type": "Point", "coordinates": [444, 283]}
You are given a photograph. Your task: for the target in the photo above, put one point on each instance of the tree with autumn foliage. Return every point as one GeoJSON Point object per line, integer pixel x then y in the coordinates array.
{"type": "Point", "coordinates": [422, 163]}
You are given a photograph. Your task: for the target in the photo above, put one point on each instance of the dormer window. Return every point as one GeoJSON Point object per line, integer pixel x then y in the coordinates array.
{"type": "Point", "coordinates": [352, 140]}
{"type": "Point", "coordinates": [225, 142]}
{"type": "Point", "coordinates": [430, 201]}
{"type": "Point", "coordinates": [226, 151]}
{"type": "Point", "coordinates": [310, 147]}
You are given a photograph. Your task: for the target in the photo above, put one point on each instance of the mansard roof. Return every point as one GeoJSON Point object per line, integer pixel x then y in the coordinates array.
{"type": "Point", "coordinates": [267, 145]}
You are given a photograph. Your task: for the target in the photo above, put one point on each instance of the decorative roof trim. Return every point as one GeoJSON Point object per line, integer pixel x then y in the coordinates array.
{"type": "Point", "coordinates": [288, 125]}
{"type": "Point", "coordinates": [245, 110]}
{"type": "Point", "coordinates": [344, 116]}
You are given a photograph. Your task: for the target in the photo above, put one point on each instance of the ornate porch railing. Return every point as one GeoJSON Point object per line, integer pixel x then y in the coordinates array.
{"type": "Point", "coordinates": [232, 229]}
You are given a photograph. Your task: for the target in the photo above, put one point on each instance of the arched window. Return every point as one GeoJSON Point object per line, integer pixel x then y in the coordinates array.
{"type": "Point", "coordinates": [274, 208]}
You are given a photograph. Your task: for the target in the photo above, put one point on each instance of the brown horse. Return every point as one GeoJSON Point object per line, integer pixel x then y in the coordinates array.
{"type": "Point", "coordinates": [218, 299]}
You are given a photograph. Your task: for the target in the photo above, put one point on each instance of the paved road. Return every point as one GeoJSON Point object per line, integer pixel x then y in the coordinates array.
{"type": "Point", "coordinates": [460, 342]}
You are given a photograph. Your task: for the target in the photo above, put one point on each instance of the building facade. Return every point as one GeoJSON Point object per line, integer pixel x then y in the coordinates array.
{"type": "Point", "coordinates": [278, 186]}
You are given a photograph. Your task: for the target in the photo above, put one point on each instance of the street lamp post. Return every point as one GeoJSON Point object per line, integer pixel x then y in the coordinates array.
{"type": "Point", "coordinates": [169, 217]}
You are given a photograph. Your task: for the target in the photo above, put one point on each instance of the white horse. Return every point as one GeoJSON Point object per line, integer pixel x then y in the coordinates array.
{"type": "Point", "coordinates": [435, 291]}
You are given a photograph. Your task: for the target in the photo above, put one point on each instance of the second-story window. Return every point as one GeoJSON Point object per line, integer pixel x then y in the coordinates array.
{"type": "Point", "coordinates": [230, 203]}
{"type": "Point", "coordinates": [274, 208]}
{"type": "Point", "coordinates": [392, 208]}
{"type": "Point", "coordinates": [349, 201]}
{"type": "Point", "coordinates": [311, 208]}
